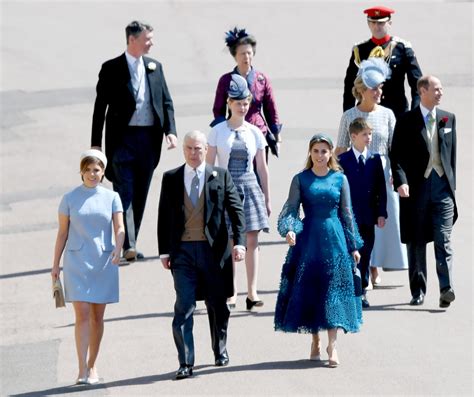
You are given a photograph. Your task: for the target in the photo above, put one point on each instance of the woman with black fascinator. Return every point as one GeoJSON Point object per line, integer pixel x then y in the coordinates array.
{"type": "Point", "coordinates": [263, 112]}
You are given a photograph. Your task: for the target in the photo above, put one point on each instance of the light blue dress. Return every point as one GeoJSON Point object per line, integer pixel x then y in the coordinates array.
{"type": "Point", "coordinates": [317, 288]}
{"type": "Point", "coordinates": [89, 274]}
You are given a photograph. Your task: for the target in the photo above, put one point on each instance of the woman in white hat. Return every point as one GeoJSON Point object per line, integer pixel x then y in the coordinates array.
{"type": "Point", "coordinates": [388, 251]}
{"type": "Point", "coordinates": [89, 216]}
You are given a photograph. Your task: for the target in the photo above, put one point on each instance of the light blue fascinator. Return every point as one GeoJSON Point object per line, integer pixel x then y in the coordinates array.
{"type": "Point", "coordinates": [374, 71]}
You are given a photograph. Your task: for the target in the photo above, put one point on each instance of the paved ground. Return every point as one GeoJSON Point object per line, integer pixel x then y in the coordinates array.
{"type": "Point", "coordinates": [51, 53]}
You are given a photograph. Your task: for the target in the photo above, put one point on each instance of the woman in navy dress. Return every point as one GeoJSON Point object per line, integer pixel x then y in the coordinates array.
{"type": "Point", "coordinates": [317, 288]}
{"type": "Point", "coordinates": [262, 111]}
{"type": "Point", "coordinates": [88, 217]}
{"type": "Point", "coordinates": [237, 146]}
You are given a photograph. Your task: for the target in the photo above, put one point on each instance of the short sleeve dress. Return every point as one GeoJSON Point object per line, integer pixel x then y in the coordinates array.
{"type": "Point", "coordinates": [317, 288]}
{"type": "Point", "coordinates": [89, 274]}
{"type": "Point", "coordinates": [236, 150]}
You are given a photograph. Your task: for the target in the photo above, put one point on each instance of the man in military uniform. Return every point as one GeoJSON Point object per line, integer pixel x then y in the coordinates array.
{"type": "Point", "coordinates": [397, 53]}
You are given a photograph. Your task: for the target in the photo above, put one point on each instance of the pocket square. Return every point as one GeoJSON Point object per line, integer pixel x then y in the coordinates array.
{"type": "Point", "coordinates": [447, 130]}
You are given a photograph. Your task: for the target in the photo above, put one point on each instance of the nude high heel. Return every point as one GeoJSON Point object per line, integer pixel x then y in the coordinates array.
{"type": "Point", "coordinates": [315, 354]}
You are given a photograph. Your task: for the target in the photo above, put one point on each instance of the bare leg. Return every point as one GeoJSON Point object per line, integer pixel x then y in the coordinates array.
{"type": "Point", "coordinates": [82, 334]}
{"type": "Point", "coordinates": [374, 275]}
{"type": "Point", "coordinates": [315, 354]}
{"type": "Point", "coordinates": [332, 352]}
{"type": "Point", "coordinates": [96, 322]}
{"type": "Point", "coordinates": [251, 263]}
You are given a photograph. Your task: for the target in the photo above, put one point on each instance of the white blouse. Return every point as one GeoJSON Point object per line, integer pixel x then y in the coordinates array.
{"type": "Point", "coordinates": [222, 137]}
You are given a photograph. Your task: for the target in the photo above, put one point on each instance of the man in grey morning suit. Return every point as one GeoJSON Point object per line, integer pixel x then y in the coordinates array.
{"type": "Point", "coordinates": [194, 244]}
{"type": "Point", "coordinates": [134, 101]}
{"type": "Point", "coordinates": [423, 160]}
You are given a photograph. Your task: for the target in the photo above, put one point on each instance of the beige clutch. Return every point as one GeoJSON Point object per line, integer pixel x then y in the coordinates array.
{"type": "Point", "coordinates": [58, 293]}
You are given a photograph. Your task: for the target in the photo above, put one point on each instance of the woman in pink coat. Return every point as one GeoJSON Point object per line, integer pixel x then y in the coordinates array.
{"type": "Point", "coordinates": [263, 112]}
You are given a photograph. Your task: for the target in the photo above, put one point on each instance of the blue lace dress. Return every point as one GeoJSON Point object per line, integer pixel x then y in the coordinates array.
{"type": "Point", "coordinates": [316, 289]}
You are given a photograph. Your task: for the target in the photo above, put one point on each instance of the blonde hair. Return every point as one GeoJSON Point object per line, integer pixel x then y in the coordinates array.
{"type": "Point", "coordinates": [358, 88]}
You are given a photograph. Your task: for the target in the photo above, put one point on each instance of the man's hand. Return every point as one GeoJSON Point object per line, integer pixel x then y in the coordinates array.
{"type": "Point", "coordinates": [172, 141]}
{"type": "Point", "coordinates": [166, 263]}
{"type": "Point", "coordinates": [238, 254]}
{"type": "Point", "coordinates": [380, 221]}
{"type": "Point", "coordinates": [403, 190]}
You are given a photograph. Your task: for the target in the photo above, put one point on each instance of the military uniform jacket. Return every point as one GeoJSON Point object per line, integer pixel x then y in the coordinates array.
{"type": "Point", "coordinates": [402, 61]}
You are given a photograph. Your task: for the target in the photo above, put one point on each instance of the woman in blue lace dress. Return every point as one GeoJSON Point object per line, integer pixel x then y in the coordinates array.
{"type": "Point", "coordinates": [238, 145]}
{"type": "Point", "coordinates": [317, 288]}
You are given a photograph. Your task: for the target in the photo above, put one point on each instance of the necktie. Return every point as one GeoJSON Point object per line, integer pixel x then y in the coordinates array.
{"type": "Point", "coordinates": [361, 162]}
{"type": "Point", "coordinates": [430, 122]}
{"type": "Point", "coordinates": [194, 193]}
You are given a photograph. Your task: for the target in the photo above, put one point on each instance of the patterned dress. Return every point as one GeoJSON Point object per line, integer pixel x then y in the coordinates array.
{"type": "Point", "coordinates": [236, 151]}
{"type": "Point", "coordinates": [388, 252]}
{"type": "Point", "coordinates": [317, 289]}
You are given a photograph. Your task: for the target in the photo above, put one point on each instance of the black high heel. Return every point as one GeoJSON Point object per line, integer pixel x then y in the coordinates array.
{"type": "Point", "coordinates": [251, 304]}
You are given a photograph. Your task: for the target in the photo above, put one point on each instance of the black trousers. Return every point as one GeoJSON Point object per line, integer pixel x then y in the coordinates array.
{"type": "Point", "coordinates": [133, 165]}
{"type": "Point", "coordinates": [367, 232]}
{"type": "Point", "coordinates": [434, 206]}
{"type": "Point", "coordinates": [194, 269]}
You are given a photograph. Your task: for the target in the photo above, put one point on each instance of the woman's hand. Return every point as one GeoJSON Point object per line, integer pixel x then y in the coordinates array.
{"type": "Point", "coordinates": [291, 238]}
{"type": "Point", "coordinates": [55, 272]}
{"type": "Point", "coordinates": [115, 256]}
{"type": "Point", "coordinates": [355, 254]}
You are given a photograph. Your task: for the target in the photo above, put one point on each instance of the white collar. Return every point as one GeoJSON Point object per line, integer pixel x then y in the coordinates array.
{"type": "Point", "coordinates": [357, 153]}
{"type": "Point", "coordinates": [425, 111]}
{"type": "Point", "coordinates": [131, 59]}
{"type": "Point", "coordinates": [200, 169]}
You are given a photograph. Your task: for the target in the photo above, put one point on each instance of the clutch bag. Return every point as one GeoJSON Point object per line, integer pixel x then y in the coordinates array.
{"type": "Point", "coordinates": [357, 282]}
{"type": "Point", "coordinates": [58, 293]}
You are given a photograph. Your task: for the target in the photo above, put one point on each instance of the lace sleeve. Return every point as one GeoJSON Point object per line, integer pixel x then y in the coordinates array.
{"type": "Point", "coordinates": [289, 218]}
{"type": "Point", "coordinates": [353, 239]}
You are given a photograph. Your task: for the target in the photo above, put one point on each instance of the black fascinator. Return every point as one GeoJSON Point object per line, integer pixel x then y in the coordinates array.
{"type": "Point", "coordinates": [234, 35]}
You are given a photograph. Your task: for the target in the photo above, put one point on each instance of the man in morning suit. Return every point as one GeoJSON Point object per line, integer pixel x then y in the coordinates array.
{"type": "Point", "coordinates": [134, 101]}
{"type": "Point", "coordinates": [364, 172]}
{"type": "Point", "coordinates": [194, 244]}
{"type": "Point", "coordinates": [423, 160]}
{"type": "Point", "coordinates": [399, 56]}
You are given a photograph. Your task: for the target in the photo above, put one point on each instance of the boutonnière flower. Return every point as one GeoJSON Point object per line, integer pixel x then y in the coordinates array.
{"type": "Point", "coordinates": [443, 121]}
{"type": "Point", "coordinates": [151, 66]}
{"type": "Point", "coordinates": [214, 173]}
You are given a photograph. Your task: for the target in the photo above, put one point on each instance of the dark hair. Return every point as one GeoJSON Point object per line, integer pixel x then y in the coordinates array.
{"type": "Point", "coordinates": [86, 161]}
{"type": "Point", "coordinates": [135, 29]}
{"type": "Point", "coordinates": [321, 138]}
{"type": "Point", "coordinates": [243, 41]}
{"type": "Point", "coordinates": [358, 125]}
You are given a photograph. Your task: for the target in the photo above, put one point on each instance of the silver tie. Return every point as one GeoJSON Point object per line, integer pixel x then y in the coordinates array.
{"type": "Point", "coordinates": [194, 193]}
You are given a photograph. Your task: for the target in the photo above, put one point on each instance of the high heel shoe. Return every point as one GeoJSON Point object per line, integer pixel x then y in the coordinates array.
{"type": "Point", "coordinates": [81, 381]}
{"type": "Point", "coordinates": [333, 359]}
{"type": "Point", "coordinates": [315, 354]}
{"type": "Point", "coordinates": [251, 304]}
{"type": "Point", "coordinates": [92, 377]}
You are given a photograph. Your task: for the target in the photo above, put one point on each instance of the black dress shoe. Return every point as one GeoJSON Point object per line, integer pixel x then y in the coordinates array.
{"type": "Point", "coordinates": [140, 255]}
{"type": "Point", "coordinates": [184, 371]}
{"type": "Point", "coordinates": [222, 360]}
{"type": "Point", "coordinates": [365, 302]}
{"type": "Point", "coordinates": [417, 300]}
{"type": "Point", "coordinates": [251, 304]}
{"type": "Point", "coordinates": [446, 297]}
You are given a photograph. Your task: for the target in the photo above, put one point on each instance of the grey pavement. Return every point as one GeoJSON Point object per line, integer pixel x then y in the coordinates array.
{"type": "Point", "coordinates": [51, 52]}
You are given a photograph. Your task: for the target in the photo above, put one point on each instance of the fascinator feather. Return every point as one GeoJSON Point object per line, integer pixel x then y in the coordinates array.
{"type": "Point", "coordinates": [374, 71]}
{"type": "Point", "coordinates": [234, 35]}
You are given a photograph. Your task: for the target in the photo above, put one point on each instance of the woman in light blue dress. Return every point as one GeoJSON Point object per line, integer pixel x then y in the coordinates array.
{"type": "Point", "coordinates": [388, 252]}
{"type": "Point", "coordinates": [89, 216]}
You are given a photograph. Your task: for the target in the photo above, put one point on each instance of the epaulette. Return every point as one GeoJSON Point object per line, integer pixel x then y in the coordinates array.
{"type": "Point", "coordinates": [355, 50]}
{"type": "Point", "coordinates": [406, 43]}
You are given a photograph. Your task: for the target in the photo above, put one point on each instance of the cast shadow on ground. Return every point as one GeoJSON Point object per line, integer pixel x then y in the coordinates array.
{"type": "Point", "coordinates": [199, 370]}
{"type": "Point", "coordinates": [403, 307]}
